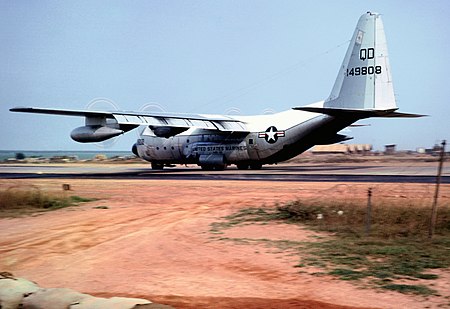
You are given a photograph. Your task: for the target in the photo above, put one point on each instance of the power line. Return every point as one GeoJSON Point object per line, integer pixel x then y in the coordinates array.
{"type": "Point", "coordinates": [240, 92]}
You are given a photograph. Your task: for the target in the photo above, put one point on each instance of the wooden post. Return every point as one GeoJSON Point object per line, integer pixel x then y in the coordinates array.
{"type": "Point", "coordinates": [436, 192]}
{"type": "Point", "coordinates": [369, 211]}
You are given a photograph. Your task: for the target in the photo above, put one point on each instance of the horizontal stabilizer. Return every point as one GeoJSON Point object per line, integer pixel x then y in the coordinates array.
{"type": "Point", "coordinates": [403, 115]}
{"type": "Point", "coordinates": [359, 125]}
{"type": "Point", "coordinates": [357, 113]}
{"type": "Point", "coordinates": [337, 138]}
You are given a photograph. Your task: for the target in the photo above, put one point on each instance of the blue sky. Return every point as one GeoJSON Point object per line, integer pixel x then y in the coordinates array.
{"type": "Point", "coordinates": [217, 56]}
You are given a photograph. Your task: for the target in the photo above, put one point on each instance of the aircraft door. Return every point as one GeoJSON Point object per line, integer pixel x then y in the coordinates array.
{"type": "Point", "coordinates": [176, 147]}
{"type": "Point", "coordinates": [252, 147]}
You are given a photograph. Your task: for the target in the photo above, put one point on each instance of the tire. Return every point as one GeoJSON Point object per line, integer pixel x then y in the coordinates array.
{"type": "Point", "coordinates": [255, 166]}
{"type": "Point", "coordinates": [157, 166]}
{"type": "Point", "coordinates": [242, 166]}
{"type": "Point", "coordinates": [213, 167]}
{"type": "Point", "coordinates": [220, 167]}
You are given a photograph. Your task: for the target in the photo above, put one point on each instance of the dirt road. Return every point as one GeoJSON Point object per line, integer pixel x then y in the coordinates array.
{"type": "Point", "coordinates": [154, 240]}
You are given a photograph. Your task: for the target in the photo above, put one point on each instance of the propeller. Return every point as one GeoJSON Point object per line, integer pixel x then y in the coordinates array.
{"type": "Point", "coordinates": [268, 111]}
{"type": "Point", "coordinates": [237, 111]}
{"type": "Point", "coordinates": [149, 107]}
{"type": "Point", "coordinates": [102, 104]}
{"type": "Point", "coordinates": [233, 111]}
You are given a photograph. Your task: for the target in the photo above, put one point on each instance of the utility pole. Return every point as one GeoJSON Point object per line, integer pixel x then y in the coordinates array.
{"type": "Point", "coordinates": [369, 211]}
{"type": "Point", "coordinates": [436, 192]}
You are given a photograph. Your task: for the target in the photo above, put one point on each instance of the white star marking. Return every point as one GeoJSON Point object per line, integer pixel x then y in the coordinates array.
{"type": "Point", "coordinates": [271, 135]}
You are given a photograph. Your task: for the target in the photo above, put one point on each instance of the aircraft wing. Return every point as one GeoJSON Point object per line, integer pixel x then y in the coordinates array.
{"type": "Point", "coordinates": [130, 119]}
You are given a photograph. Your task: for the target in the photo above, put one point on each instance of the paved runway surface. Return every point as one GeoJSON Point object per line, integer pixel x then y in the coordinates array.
{"type": "Point", "coordinates": [404, 173]}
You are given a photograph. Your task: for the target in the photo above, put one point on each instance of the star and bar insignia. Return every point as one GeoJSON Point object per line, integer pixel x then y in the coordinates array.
{"type": "Point", "coordinates": [271, 135]}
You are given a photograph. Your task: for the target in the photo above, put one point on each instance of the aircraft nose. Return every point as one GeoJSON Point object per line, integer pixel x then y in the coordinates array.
{"type": "Point", "coordinates": [134, 150]}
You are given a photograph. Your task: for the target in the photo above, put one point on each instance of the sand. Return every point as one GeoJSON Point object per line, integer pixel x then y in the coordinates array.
{"type": "Point", "coordinates": [155, 241]}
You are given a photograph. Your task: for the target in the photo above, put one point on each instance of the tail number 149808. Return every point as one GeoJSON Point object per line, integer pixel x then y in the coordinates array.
{"type": "Point", "coordinates": [370, 70]}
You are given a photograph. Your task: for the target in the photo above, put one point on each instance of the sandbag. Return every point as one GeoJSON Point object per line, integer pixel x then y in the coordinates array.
{"type": "Point", "coordinates": [153, 306]}
{"type": "Point", "coordinates": [55, 298]}
{"type": "Point", "coordinates": [12, 290]}
{"type": "Point", "coordinates": [21, 293]}
{"type": "Point", "coordinates": [110, 303]}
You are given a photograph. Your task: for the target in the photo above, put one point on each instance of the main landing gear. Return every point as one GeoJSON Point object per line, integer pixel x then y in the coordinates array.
{"type": "Point", "coordinates": [253, 166]}
{"type": "Point", "coordinates": [157, 166]}
{"type": "Point", "coordinates": [215, 167]}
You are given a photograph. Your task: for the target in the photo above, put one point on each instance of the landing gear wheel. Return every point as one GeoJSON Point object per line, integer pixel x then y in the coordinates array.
{"type": "Point", "coordinates": [242, 166]}
{"type": "Point", "coordinates": [220, 167]}
{"type": "Point", "coordinates": [157, 166]}
{"type": "Point", "coordinates": [255, 166]}
{"type": "Point", "coordinates": [213, 167]}
{"type": "Point", "coordinates": [207, 167]}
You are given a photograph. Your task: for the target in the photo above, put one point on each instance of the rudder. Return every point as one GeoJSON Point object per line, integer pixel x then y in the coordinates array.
{"type": "Point", "coordinates": [364, 80]}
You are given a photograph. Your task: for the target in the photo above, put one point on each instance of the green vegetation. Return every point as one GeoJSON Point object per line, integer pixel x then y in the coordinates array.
{"type": "Point", "coordinates": [388, 220]}
{"type": "Point", "coordinates": [405, 288]}
{"type": "Point", "coordinates": [246, 215]}
{"type": "Point", "coordinates": [20, 156]}
{"type": "Point", "coordinates": [16, 202]}
{"type": "Point", "coordinates": [396, 249]}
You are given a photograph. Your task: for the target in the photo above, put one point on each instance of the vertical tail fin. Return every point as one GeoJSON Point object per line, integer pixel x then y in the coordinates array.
{"type": "Point", "coordinates": [364, 80]}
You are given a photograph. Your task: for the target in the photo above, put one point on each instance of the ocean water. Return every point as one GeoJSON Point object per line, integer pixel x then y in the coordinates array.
{"type": "Point", "coordinates": [82, 155]}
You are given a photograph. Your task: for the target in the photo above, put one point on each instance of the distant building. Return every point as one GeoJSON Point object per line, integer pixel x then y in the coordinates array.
{"type": "Point", "coordinates": [390, 149]}
{"type": "Point", "coordinates": [342, 149]}
{"type": "Point", "coordinates": [421, 150]}
{"type": "Point", "coordinates": [359, 148]}
{"type": "Point", "coordinates": [435, 151]}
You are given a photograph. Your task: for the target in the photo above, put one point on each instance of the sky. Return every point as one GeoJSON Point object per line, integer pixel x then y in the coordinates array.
{"type": "Point", "coordinates": [223, 57]}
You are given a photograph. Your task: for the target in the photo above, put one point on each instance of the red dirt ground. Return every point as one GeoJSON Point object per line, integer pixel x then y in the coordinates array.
{"type": "Point", "coordinates": [155, 241]}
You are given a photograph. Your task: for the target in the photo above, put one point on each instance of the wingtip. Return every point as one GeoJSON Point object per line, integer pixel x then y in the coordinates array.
{"type": "Point", "coordinates": [407, 115]}
{"type": "Point", "coordinates": [16, 109]}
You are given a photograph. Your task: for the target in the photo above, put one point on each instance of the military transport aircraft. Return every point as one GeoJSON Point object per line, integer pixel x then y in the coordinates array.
{"type": "Point", "coordinates": [363, 89]}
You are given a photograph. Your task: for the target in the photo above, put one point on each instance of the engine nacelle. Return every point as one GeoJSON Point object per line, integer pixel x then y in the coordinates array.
{"type": "Point", "coordinates": [94, 134]}
{"type": "Point", "coordinates": [167, 131]}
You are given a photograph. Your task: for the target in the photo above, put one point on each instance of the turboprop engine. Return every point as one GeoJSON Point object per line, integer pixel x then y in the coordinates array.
{"type": "Point", "coordinates": [94, 133]}
{"type": "Point", "coordinates": [166, 131]}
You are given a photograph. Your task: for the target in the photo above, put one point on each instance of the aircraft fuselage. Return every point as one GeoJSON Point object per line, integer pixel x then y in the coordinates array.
{"type": "Point", "coordinates": [273, 138]}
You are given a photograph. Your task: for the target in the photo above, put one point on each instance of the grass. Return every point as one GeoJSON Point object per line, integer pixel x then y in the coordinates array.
{"type": "Point", "coordinates": [246, 215]}
{"type": "Point", "coordinates": [412, 289]}
{"type": "Point", "coordinates": [389, 220]}
{"type": "Point", "coordinates": [347, 274]}
{"type": "Point", "coordinates": [397, 247]}
{"type": "Point", "coordinates": [16, 202]}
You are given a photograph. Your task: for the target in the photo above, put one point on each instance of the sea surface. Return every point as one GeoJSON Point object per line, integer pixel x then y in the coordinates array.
{"type": "Point", "coordinates": [81, 155]}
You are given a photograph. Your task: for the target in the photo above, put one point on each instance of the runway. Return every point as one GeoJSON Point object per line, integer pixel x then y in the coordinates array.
{"type": "Point", "coordinates": [425, 172]}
